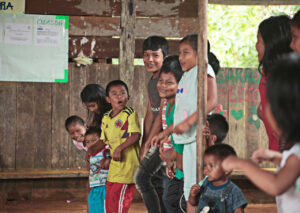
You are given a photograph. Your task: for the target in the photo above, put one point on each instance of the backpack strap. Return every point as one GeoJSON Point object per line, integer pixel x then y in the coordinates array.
{"type": "Point", "coordinates": [226, 192]}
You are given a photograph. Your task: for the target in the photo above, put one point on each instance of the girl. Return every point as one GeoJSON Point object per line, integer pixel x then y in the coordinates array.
{"type": "Point", "coordinates": [295, 28]}
{"type": "Point", "coordinates": [273, 40]}
{"type": "Point", "coordinates": [282, 112]}
{"type": "Point", "coordinates": [93, 96]}
{"type": "Point", "coordinates": [185, 115]}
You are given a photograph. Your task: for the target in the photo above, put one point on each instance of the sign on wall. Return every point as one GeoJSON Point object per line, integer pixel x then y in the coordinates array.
{"type": "Point", "coordinates": [12, 6]}
{"type": "Point", "coordinates": [33, 48]}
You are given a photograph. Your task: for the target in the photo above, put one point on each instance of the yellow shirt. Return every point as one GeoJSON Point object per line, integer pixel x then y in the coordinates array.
{"type": "Point", "coordinates": [115, 131]}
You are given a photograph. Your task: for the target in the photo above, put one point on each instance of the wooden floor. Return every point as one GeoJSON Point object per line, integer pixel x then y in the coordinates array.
{"type": "Point", "coordinates": [80, 207]}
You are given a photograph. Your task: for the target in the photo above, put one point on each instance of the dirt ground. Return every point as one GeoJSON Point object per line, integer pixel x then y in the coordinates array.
{"type": "Point", "coordinates": [42, 206]}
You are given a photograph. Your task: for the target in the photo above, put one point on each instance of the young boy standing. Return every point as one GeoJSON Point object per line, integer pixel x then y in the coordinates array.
{"type": "Point", "coordinates": [149, 178]}
{"type": "Point", "coordinates": [121, 131]}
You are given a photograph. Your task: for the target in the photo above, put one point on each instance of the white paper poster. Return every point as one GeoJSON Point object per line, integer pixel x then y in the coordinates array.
{"type": "Point", "coordinates": [48, 35]}
{"type": "Point", "coordinates": [20, 34]}
{"type": "Point", "coordinates": [1, 33]}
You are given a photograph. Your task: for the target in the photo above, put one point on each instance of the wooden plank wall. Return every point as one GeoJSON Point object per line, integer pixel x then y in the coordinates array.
{"type": "Point", "coordinates": [33, 114]}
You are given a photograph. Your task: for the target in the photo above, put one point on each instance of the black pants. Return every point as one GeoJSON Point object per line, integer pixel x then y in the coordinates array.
{"type": "Point", "coordinates": [175, 197]}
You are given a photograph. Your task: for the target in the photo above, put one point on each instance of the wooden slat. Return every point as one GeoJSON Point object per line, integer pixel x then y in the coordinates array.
{"type": "Point", "coordinates": [107, 47]}
{"type": "Point", "coordinates": [60, 137]}
{"type": "Point", "coordinates": [102, 74]}
{"type": "Point", "coordinates": [43, 174]}
{"type": "Point", "coordinates": [164, 8]}
{"type": "Point", "coordinates": [33, 144]}
{"type": "Point", "coordinates": [8, 105]}
{"type": "Point", "coordinates": [104, 26]}
{"type": "Point", "coordinates": [77, 83]}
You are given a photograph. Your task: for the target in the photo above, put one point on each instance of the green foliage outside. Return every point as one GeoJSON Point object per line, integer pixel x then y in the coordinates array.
{"type": "Point", "coordinates": [232, 31]}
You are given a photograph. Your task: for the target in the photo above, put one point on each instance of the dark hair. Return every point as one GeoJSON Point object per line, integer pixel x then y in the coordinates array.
{"type": "Point", "coordinates": [283, 92]}
{"type": "Point", "coordinates": [295, 22]}
{"type": "Point", "coordinates": [95, 93]}
{"type": "Point", "coordinates": [276, 34]}
{"type": "Point", "coordinates": [92, 130]}
{"type": "Point", "coordinates": [213, 61]}
{"type": "Point", "coordinates": [155, 43]}
{"type": "Point", "coordinates": [116, 83]}
{"type": "Point", "coordinates": [218, 126]}
{"type": "Point", "coordinates": [220, 150]}
{"type": "Point", "coordinates": [73, 119]}
{"type": "Point", "coordinates": [171, 64]}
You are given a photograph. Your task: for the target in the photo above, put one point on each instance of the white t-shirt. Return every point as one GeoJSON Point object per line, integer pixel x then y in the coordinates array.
{"type": "Point", "coordinates": [289, 201]}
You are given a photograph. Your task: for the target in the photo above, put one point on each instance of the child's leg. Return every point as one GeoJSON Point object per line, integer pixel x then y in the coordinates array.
{"type": "Point", "coordinates": [175, 197]}
{"type": "Point", "coordinates": [118, 197]}
{"type": "Point", "coordinates": [190, 173]}
{"type": "Point", "coordinates": [97, 200]}
{"type": "Point", "coordinates": [149, 181]}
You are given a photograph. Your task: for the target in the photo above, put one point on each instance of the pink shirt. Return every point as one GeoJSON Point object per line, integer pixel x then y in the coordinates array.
{"type": "Point", "coordinates": [79, 145]}
{"type": "Point", "coordinates": [273, 137]}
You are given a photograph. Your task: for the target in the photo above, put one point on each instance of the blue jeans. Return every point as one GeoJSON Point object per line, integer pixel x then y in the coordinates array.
{"type": "Point", "coordinates": [151, 181]}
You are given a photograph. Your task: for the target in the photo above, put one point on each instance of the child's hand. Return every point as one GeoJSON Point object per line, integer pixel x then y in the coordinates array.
{"type": "Point", "coordinates": [195, 190]}
{"type": "Point", "coordinates": [166, 155]}
{"type": "Point", "coordinates": [229, 163]}
{"type": "Point", "coordinates": [261, 155]}
{"type": "Point", "coordinates": [158, 138]}
{"type": "Point", "coordinates": [104, 163]}
{"type": "Point", "coordinates": [181, 127]}
{"type": "Point", "coordinates": [144, 149]}
{"type": "Point", "coordinates": [171, 169]}
{"type": "Point", "coordinates": [206, 130]}
{"type": "Point", "coordinates": [117, 156]}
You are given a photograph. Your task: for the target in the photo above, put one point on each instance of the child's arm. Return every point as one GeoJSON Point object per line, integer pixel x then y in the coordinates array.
{"type": "Point", "coordinates": [155, 141]}
{"type": "Point", "coordinates": [272, 183]}
{"type": "Point", "coordinates": [147, 122]}
{"type": "Point", "coordinates": [133, 139]}
{"type": "Point", "coordinates": [168, 155]}
{"type": "Point", "coordinates": [194, 195]}
{"type": "Point", "coordinates": [261, 155]}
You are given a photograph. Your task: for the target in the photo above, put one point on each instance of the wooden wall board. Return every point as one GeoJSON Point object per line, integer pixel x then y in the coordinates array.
{"type": "Point", "coordinates": [152, 8]}
{"type": "Point", "coordinates": [107, 47]}
{"type": "Point", "coordinates": [60, 137]}
{"type": "Point", "coordinates": [8, 100]}
{"type": "Point", "coordinates": [105, 26]}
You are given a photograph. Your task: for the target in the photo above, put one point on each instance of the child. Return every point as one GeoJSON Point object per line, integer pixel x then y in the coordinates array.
{"type": "Point", "coordinates": [97, 177]}
{"type": "Point", "coordinates": [217, 192]}
{"type": "Point", "coordinates": [186, 114]}
{"type": "Point", "coordinates": [93, 97]}
{"type": "Point", "coordinates": [283, 93]}
{"type": "Point", "coordinates": [149, 178]}
{"type": "Point", "coordinates": [215, 131]}
{"type": "Point", "coordinates": [273, 40]}
{"type": "Point", "coordinates": [76, 128]}
{"type": "Point", "coordinates": [121, 131]}
{"type": "Point", "coordinates": [295, 28]}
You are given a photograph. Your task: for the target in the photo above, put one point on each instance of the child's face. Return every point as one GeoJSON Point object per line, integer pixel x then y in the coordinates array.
{"type": "Point", "coordinates": [260, 47]}
{"type": "Point", "coordinates": [91, 140]}
{"type": "Point", "coordinates": [167, 85]}
{"type": "Point", "coordinates": [187, 56]}
{"type": "Point", "coordinates": [153, 60]}
{"type": "Point", "coordinates": [92, 106]}
{"type": "Point", "coordinates": [295, 44]}
{"type": "Point", "coordinates": [213, 168]}
{"type": "Point", "coordinates": [117, 97]}
{"type": "Point", "coordinates": [77, 131]}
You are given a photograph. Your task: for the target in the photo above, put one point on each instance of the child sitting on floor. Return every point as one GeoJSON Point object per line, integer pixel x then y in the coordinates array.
{"type": "Point", "coordinates": [218, 193]}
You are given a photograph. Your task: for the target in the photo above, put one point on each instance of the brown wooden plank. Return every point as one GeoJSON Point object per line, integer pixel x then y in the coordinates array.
{"type": "Point", "coordinates": [107, 47]}
{"type": "Point", "coordinates": [104, 26]}
{"type": "Point", "coordinates": [40, 174]}
{"type": "Point", "coordinates": [162, 8]}
{"type": "Point", "coordinates": [60, 137]}
{"type": "Point", "coordinates": [8, 104]}
{"type": "Point", "coordinates": [127, 42]}
{"type": "Point", "coordinates": [77, 83]}
{"type": "Point", "coordinates": [102, 74]}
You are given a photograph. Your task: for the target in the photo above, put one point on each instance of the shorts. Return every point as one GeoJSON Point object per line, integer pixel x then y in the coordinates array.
{"type": "Point", "coordinates": [96, 199]}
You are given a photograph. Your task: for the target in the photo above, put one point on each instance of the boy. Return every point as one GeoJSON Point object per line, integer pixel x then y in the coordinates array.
{"type": "Point", "coordinates": [97, 175]}
{"type": "Point", "coordinates": [215, 131]}
{"type": "Point", "coordinates": [218, 193]}
{"type": "Point", "coordinates": [149, 178]}
{"type": "Point", "coordinates": [121, 131]}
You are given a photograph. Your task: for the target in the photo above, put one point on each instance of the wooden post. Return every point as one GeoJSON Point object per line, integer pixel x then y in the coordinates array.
{"type": "Point", "coordinates": [127, 42]}
{"type": "Point", "coordinates": [202, 83]}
